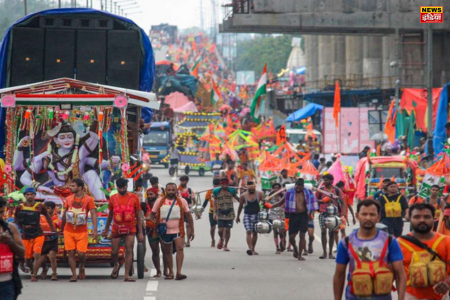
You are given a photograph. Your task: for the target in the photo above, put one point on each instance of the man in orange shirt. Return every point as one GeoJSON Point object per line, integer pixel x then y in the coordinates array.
{"type": "Point", "coordinates": [425, 243]}
{"type": "Point", "coordinates": [246, 175]}
{"type": "Point", "coordinates": [125, 209]}
{"type": "Point", "coordinates": [74, 226]}
{"type": "Point", "coordinates": [50, 248]}
{"type": "Point", "coordinates": [27, 216]}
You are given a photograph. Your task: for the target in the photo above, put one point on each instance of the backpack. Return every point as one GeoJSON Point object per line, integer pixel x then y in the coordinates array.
{"type": "Point", "coordinates": [426, 267]}
{"type": "Point", "coordinates": [371, 277]}
{"type": "Point", "coordinates": [393, 209]}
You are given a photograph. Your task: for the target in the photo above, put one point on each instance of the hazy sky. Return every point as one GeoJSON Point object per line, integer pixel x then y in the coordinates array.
{"type": "Point", "coordinates": [183, 13]}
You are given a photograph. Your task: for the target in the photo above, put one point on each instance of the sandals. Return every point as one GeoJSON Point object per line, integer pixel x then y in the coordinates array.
{"type": "Point", "coordinates": [249, 252]}
{"type": "Point", "coordinates": [24, 269]}
{"type": "Point", "coordinates": [129, 280]}
{"type": "Point", "coordinates": [181, 277]}
{"type": "Point", "coordinates": [73, 278]}
{"type": "Point", "coordinates": [44, 272]}
{"type": "Point", "coordinates": [82, 274]}
{"type": "Point", "coordinates": [34, 278]}
{"type": "Point", "coordinates": [54, 277]}
{"type": "Point", "coordinates": [115, 273]}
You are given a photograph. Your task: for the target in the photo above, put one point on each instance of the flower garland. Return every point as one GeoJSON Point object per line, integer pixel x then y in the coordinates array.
{"type": "Point", "coordinates": [73, 160]}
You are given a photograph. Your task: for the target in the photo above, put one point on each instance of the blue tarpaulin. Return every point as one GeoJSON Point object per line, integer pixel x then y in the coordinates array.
{"type": "Point", "coordinates": [304, 112]}
{"type": "Point", "coordinates": [440, 133]}
{"type": "Point", "coordinates": [148, 67]}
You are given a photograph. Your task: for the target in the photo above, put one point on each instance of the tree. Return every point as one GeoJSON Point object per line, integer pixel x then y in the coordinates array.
{"type": "Point", "coordinates": [273, 50]}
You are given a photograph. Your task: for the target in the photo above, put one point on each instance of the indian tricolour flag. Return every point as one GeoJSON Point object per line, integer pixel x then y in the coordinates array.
{"type": "Point", "coordinates": [260, 90]}
{"type": "Point", "coordinates": [215, 93]}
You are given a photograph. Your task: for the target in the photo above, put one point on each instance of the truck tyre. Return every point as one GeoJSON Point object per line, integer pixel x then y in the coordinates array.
{"type": "Point", "coordinates": [201, 172]}
{"type": "Point", "coordinates": [187, 170]}
{"type": "Point", "coordinates": [171, 171]}
{"type": "Point", "coordinates": [140, 261]}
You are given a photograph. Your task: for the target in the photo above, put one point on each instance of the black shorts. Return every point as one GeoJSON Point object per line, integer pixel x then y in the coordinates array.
{"type": "Point", "coordinates": [50, 246]}
{"type": "Point", "coordinates": [298, 222]}
{"type": "Point", "coordinates": [212, 222]}
{"type": "Point", "coordinates": [225, 223]}
{"type": "Point", "coordinates": [174, 161]}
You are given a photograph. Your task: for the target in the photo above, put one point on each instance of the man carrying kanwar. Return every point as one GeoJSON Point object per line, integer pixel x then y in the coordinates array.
{"type": "Point", "coordinates": [224, 211]}
{"type": "Point", "coordinates": [170, 211]}
{"type": "Point", "coordinates": [28, 218]}
{"type": "Point", "coordinates": [126, 217]}
{"type": "Point", "coordinates": [301, 204]}
{"type": "Point", "coordinates": [329, 196]}
{"type": "Point", "coordinates": [277, 213]}
{"type": "Point", "coordinates": [250, 201]}
{"type": "Point", "coordinates": [426, 256]}
{"type": "Point", "coordinates": [374, 257]}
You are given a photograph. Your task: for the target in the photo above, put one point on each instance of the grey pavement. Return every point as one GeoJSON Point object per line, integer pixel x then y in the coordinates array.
{"type": "Point", "coordinates": [212, 274]}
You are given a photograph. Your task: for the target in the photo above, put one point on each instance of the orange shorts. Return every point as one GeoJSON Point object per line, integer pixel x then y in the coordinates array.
{"type": "Point", "coordinates": [33, 246]}
{"type": "Point", "coordinates": [76, 241]}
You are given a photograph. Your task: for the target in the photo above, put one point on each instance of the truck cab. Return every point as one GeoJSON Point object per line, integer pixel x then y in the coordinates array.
{"type": "Point", "coordinates": [157, 142]}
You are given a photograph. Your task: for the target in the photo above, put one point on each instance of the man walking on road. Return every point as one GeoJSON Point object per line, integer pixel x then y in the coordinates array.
{"type": "Point", "coordinates": [74, 226]}
{"type": "Point", "coordinates": [333, 196]}
{"type": "Point", "coordinates": [393, 207]}
{"type": "Point", "coordinates": [172, 210]}
{"type": "Point", "coordinates": [250, 200]}
{"type": "Point", "coordinates": [427, 247]}
{"type": "Point", "coordinates": [212, 222]}
{"type": "Point", "coordinates": [11, 246]}
{"type": "Point", "coordinates": [187, 194]}
{"type": "Point", "coordinates": [300, 203]}
{"type": "Point", "coordinates": [368, 245]}
{"type": "Point", "coordinates": [28, 217]}
{"type": "Point", "coordinates": [125, 209]}
{"type": "Point", "coordinates": [224, 212]}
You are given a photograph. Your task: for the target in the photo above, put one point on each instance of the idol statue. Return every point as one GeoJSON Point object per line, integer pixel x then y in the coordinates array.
{"type": "Point", "coordinates": [70, 154]}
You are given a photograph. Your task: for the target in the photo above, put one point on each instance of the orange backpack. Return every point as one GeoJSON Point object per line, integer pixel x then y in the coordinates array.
{"type": "Point", "coordinates": [371, 277]}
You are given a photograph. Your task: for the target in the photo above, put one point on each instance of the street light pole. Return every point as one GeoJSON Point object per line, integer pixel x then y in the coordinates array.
{"type": "Point", "coordinates": [430, 91]}
{"type": "Point", "coordinates": [25, 7]}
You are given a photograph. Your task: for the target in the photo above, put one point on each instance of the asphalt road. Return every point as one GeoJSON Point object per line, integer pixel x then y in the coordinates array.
{"type": "Point", "coordinates": [211, 273]}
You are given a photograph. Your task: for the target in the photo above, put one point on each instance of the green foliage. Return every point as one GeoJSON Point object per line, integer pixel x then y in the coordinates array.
{"type": "Point", "coordinates": [273, 50]}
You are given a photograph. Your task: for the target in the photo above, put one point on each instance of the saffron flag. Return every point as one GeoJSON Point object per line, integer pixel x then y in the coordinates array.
{"type": "Point", "coordinates": [215, 93]}
{"type": "Point", "coordinates": [281, 135]}
{"type": "Point", "coordinates": [390, 123]}
{"type": "Point", "coordinates": [195, 72]}
{"type": "Point", "coordinates": [213, 48]}
{"type": "Point", "coordinates": [260, 90]}
{"type": "Point", "coordinates": [337, 104]}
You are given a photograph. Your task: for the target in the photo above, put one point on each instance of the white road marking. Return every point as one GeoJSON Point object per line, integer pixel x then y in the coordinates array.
{"type": "Point", "coordinates": [149, 298]}
{"type": "Point", "coordinates": [152, 286]}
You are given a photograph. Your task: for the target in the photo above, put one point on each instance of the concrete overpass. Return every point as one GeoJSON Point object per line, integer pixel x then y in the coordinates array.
{"type": "Point", "coordinates": [353, 40]}
{"type": "Point", "coordinates": [333, 17]}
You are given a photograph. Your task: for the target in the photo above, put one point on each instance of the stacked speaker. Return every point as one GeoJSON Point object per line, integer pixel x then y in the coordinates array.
{"type": "Point", "coordinates": [87, 49]}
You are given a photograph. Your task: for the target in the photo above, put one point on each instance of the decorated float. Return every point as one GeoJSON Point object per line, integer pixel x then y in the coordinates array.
{"type": "Point", "coordinates": [63, 129]}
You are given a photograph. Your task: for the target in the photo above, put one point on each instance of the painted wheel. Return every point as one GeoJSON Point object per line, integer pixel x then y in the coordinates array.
{"type": "Point", "coordinates": [201, 172]}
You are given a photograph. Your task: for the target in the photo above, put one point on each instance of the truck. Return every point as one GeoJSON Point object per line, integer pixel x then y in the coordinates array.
{"type": "Point", "coordinates": [164, 34]}
{"type": "Point", "coordinates": [157, 142]}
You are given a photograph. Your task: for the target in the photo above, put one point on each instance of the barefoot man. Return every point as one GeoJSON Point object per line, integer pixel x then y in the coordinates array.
{"type": "Point", "coordinates": [300, 203]}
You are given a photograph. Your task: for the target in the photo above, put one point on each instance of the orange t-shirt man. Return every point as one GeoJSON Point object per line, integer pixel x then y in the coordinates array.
{"type": "Point", "coordinates": [443, 250]}
{"type": "Point", "coordinates": [76, 237]}
{"type": "Point", "coordinates": [123, 200]}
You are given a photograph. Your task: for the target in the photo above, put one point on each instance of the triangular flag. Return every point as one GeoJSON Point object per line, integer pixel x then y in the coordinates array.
{"type": "Point", "coordinates": [260, 90]}
{"type": "Point", "coordinates": [380, 184]}
{"type": "Point", "coordinates": [337, 104]}
{"type": "Point", "coordinates": [390, 123]}
{"type": "Point", "coordinates": [195, 72]}
{"type": "Point", "coordinates": [215, 93]}
{"type": "Point", "coordinates": [213, 48]}
{"type": "Point", "coordinates": [393, 178]}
